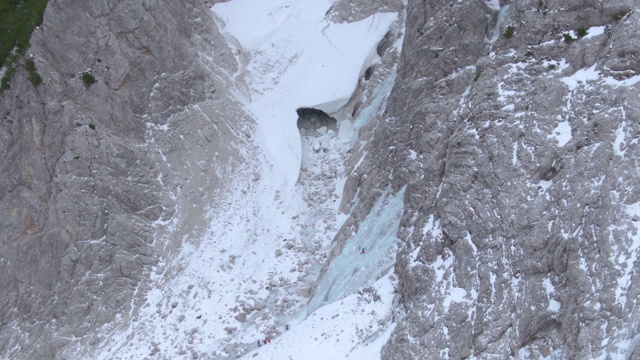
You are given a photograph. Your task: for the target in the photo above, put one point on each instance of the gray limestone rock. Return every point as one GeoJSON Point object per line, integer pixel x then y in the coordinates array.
{"type": "Point", "coordinates": [518, 233]}
{"type": "Point", "coordinates": [351, 11]}
{"type": "Point", "coordinates": [93, 175]}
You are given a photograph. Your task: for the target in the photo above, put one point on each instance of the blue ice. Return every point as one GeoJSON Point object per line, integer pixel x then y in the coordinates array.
{"type": "Point", "coordinates": [352, 269]}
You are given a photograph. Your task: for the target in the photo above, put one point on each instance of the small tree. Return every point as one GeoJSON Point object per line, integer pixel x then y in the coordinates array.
{"type": "Point", "coordinates": [88, 79]}
{"type": "Point", "coordinates": [582, 32]}
{"type": "Point", "coordinates": [511, 30]}
{"type": "Point", "coordinates": [4, 83]}
{"type": "Point", "coordinates": [8, 75]}
{"type": "Point", "coordinates": [620, 15]}
{"type": "Point", "coordinates": [568, 38]}
{"type": "Point", "coordinates": [34, 78]}
{"type": "Point", "coordinates": [30, 65]}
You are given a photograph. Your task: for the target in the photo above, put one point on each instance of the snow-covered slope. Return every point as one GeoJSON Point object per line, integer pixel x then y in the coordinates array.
{"type": "Point", "coordinates": [251, 274]}
{"type": "Point", "coordinates": [293, 57]}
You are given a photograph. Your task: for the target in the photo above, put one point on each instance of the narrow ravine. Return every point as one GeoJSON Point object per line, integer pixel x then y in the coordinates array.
{"type": "Point", "coordinates": [252, 273]}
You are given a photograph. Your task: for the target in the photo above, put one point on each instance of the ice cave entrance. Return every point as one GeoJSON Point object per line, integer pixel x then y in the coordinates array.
{"type": "Point", "coordinates": [310, 120]}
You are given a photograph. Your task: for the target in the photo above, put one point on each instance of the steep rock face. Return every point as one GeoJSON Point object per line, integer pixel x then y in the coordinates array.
{"type": "Point", "coordinates": [519, 157]}
{"type": "Point", "coordinates": [91, 179]}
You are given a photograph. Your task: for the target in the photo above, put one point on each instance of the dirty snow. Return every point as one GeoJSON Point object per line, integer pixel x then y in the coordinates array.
{"type": "Point", "coordinates": [355, 327]}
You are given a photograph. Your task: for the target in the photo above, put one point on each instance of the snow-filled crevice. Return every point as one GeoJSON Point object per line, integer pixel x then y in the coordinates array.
{"type": "Point", "coordinates": [252, 272]}
{"type": "Point", "coordinates": [367, 255]}
{"type": "Point", "coordinates": [311, 121]}
{"type": "Point", "coordinates": [502, 13]}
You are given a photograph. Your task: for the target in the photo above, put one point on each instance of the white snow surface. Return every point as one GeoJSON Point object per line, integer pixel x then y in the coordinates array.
{"type": "Point", "coordinates": [298, 59]}
{"type": "Point", "coordinates": [595, 31]}
{"type": "Point", "coordinates": [581, 76]}
{"type": "Point", "coordinates": [355, 327]}
{"type": "Point", "coordinates": [584, 76]}
{"type": "Point", "coordinates": [562, 133]}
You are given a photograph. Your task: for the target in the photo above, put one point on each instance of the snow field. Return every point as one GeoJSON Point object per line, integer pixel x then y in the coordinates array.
{"type": "Point", "coordinates": [297, 59]}
{"type": "Point", "coordinates": [252, 271]}
{"type": "Point", "coordinates": [355, 327]}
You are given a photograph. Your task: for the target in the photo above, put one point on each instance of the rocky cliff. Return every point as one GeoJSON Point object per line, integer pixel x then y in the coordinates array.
{"type": "Point", "coordinates": [91, 178]}
{"type": "Point", "coordinates": [514, 129]}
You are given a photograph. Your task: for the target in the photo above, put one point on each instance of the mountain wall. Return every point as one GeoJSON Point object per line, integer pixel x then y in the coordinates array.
{"type": "Point", "coordinates": [514, 129]}
{"type": "Point", "coordinates": [91, 178]}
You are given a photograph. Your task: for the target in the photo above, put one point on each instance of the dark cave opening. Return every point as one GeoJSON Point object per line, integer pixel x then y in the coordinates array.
{"type": "Point", "coordinates": [310, 120]}
{"type": "Point", "coordinates": [368, 73]}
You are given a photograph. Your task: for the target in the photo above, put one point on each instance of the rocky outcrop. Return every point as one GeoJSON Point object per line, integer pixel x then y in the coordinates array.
{"type": "Point", "coordinates": [518, 156]}
{"type": "Point", "coordinates": [92, 181]}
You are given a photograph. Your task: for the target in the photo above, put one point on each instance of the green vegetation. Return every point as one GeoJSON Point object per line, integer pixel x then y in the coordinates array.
{"type": "Point", "coordinates": [568, 38]}
{"type": "Point", "coordinates": [30, 65]}
{"type": "Point", "coordinates": [18, 18]}
{"type": "Point", "coordinates": [620, 15]}
{"type": "Point", "coordinates": [582, 32]}
{"type": "Point", "coordinates": [88, 79]}
{"type": "Point", "coordinates": [92, 126]}
{"type": "Point", "coordinates": [543, 5]}
{"type": "Point", "coordinates": [34, 78]}
{"type": "Point", "coordinates": [511, 30]}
